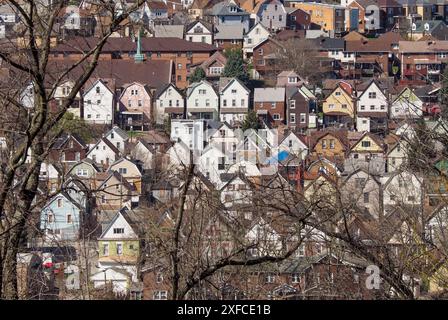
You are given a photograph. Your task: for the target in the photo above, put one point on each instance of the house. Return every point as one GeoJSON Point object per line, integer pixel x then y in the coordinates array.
{"type": "Point", "coordinates": [265, 56]}
{"type": "Point", "coordinates": [372, 105]}
{"type": "Point", "coordinates": [339, 106]}
{"type": "Point", "coordinates": [300, 103]}
{"type": "Point", "coordinates": [402, 188]}
{"type": "Point", "coordinates": [328, 17]}
{"type": "Point", "coordinates": [212, 163]}
{"type": "Point", "coordinates": [294, 145]}
{"type": "Point", "coordinates": [76, 21]}
{"type": "Point", "coordinates": [257, 34]}
{"type": "Point", "coordinates": [236, 193]}
{"type": "Point", "coordinates": [119, 243]}
{"type": "Point", "coordinates": [423, 60]}
{"type": "Point", "coordinates": [135, 106]}
{"type": "Point", "coordinates": [169, 104]}
{"type": "Point", "coordinates": [99, 103]}
{"type": "Point", "coordinates": [269, 103]}
{"type": "Point", "coordinates": [297, 19]}
{"type": "Point", "coordinates": [84, 169]}
{"type": "Point", "coordinates": [213, 66]}
{"type": "Point", "coordinates": [103, 152]}
{"type": "Point", "coordinates": [271, 14]}
{"type": "Point", "coordinates": [369, 15]}
{"type": "Point", "coordinates": [68, 149]}
{"type": "Point", "coordinates": [190, 131]}
{"type": "Point", "coordinates": [61, 94]}
{"type": "Point", "coordinates": [114, 191]}
{"type": "Point", "coordinates": [229, 13]}
{"type": "Point", "coordinates": [128, 170]}
{"type": "Point", "coordinates": [61, 218]}
{"type": "Point", "coordinates": [234, 101]}
{"type": "Point", "coordinates": [229, 36]}
{"type": "Point", "coordinates": [406, 105]}
{"type": "Point", "coordinates": [118, 137]}
{"type": "Point", "coordinates": [202, 101]}
{"type": "Point", "coordinates": [289, 78]}
{"type": "Point", "coordinates": [437, 29]}
{"type": "Point", "coordinates": [367, 153]}
{"type": "Point", "coordinates": [396, 153]}
{"type": "Point", "coordinates": [145, 154]}
{"type": "Point", "coordinates": [199, 31]}
{"type": "Point", "coordinates": [390, 10]}
{"type": "Point", "coordinates": [364, 190]}
{"type": "Point", "coordinates": [154, 13]}
{"type": "Point", "coordinates": [331, 144]}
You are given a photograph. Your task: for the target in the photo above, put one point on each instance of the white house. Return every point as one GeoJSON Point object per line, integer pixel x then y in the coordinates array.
{"type": "Point", "coordinates": [145, 153]}
{"type": "Point", "coordinates": [406, 105]}
{"type": "Point", "coordinates": [103, 152]}
{"type": "Point", "coordinates": [256, 35]}
{"type": "Point", "coordinates": [236, 191]}
{"type": "Point", "coordinates": [212, 164]}
{"type": "Point", "coordinates": [402, 188]}
{"type": "Point", "coordinates": [98, 104]}
{"type": "Point", "coordinates": [272, 14]}
{"type": "Point", "coordinates": [168, 97]}
{"type": "Point", "coordinates": [234, 99]}
{"type": "Point", "coordinates": [202, 101]}
{"type": "Point", "coordinates": [118, 137]}
{"type": "Point", "coordinates": [199, 31]}
{"type": "Point", "coordinates": [118, 278]}
{"type": "Point", "coordinates": [372, 99]}
{"type": "Point", "coordinates": [191, 132]}
{"type": "Point", "coordinates": [294, 146]}
{"type": "Point", "coordinates": [63, 91]}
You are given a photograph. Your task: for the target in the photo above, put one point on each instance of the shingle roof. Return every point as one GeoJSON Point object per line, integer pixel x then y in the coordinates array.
{"type": "Point", "coordinates": [269, 94]}
{"type": "Point", "coordinates": [423, 46]}
{"type": "Point", "coordinates": [224, 32]}
{"type": "Point", "coordinates": [169, 31]}
{"type": "Point", "coordinates": [78, 44]}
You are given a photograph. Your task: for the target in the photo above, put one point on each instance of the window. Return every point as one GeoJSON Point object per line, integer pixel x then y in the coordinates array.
{"type": "Point", "coordinates": [243, 102]}
{"type": "Point", "coordinates": [105, 249]}
{"type": "Point", "coordinates": [159, 278]}
{"type": "Point", "coordinates": [303, 118]}
{"type": "Point", "coordinates": [365, 144]}
{"type": "Point", "coordinates": [331, 106]}
{"type": "Point", "coordinates": [366, 197]}
{"type": "Point", "coordinates": [233, 103]}
{"type": "Point", "coordinates": [118, 230]}
{"type": "Point", "coordinates": [292, 118]}
{"type": "Point", "coordinates": [324, 143]}
{"type": "Point", "coordinates": [418, 67]}
{"type": "Point", "coordinates": [344, 106]}
{"type": "Point", "coordinates": [337, 93]}
{"type": "Point", "coordinates": [363, 107]}
{"type": "Point", "coordinates": [179, 66]}
{"type": "Point", "coordinates": [160, 295]}
{"type": "Point", "coordinates": [372, 95]}
{"type": "Point", "coordinates": [383, 107]}
{"type": "Point", "coordinates": [273, 105]}
{"type": "Point", "coordinates": [119, 248]}
{"type": "Point", "coordinates": [442, 55]}
{"type": "Point", "coordinates": [292, 104]}
{"type": "Point", "coordinates": [224, 103]}
{"type": "Point", "coordinates": [122, 170]}
{"type": "Point", "coordinates": [331, 143]}
{"type": "Point", "coordinates": [69, 218]}
{"type": "Point", "coordinates": [372, 107]}
{"type": "Point", "coordinates": [276, 116]}
{"type": "Point", "coordinates": [411, 198]}
{"type": "Point", "coordinates": [50, 218]}
{"type": "Point", "coordinates": [292, 79]}
{"type": "Point", "coordinates": [270, 278]}
{"type": "Point", "coordinates": [60, 203]}
{"type": "Point", "coordinates": [97, 89]}
{"type": "Point", "coordinates": [260, 51]}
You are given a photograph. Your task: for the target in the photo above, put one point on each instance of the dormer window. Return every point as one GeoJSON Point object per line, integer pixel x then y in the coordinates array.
{"type": "Point", "coordinates": [232, 9]}
{"type": "Point", "coordinates": [292, 79]}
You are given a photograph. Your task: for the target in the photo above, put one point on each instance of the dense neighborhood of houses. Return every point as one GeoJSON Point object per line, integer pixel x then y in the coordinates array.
{"type": "Point", "coordinates": [347, 136]}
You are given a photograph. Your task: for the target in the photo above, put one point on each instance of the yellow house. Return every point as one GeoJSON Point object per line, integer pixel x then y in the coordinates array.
{"type": "Point", "coordinates": [330, 17]}
{"type": "Point", "coordinates": [368, 143]}
{"type": "Point", "coordinates": [339, 104]}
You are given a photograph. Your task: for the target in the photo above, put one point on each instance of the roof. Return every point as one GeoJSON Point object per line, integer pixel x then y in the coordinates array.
{"type": "Point", "coordinates": [164, 87]}
{"type": "Point", "coordinates": [222, 9]}
{"type": "Point", "coordinates": [204, 23]}
{"type": "Point", "coordinates": [423, 46]}
{"type": "Point", "coordinates": [115, 44]}
{"type": "Point", "coordinates": [269, 94]}
{"type": "Point", "coordinates": [153, 73]}
{"type": "Point", "coordinates": [328, 43]}
{"type": "Point", "coordinates": [169, 31]}
{"type": "Point", "coordinates": [118, 131]}
{"type": "Point", "coordinates": [229, 82]}
{"type": "Point", "coordinates": [225, 32]}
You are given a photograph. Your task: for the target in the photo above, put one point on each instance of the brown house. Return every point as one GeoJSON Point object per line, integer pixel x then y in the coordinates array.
{"type": "Point", "coordinates": [265, 57]}
{"type": "Point", "coordinates": [298, 19]}
{"type": "Point", "coordinates": [331, 144]}
{"type": "Point", "coordinates": [68, 148]}
{"type": "Point", "coordinates": [300, 102]}
{"type": "Point", "coordinates": [269, 103]}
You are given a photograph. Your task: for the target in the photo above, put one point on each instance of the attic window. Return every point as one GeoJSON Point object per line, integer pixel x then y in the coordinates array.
{"type": "Point", "coordinates": [97, 89]}
{"type": "Point", "coordinates": [365, 144]}
{"type": "Point", "coordinates": [118, 230]}
{"type": "Point", "coordinates": [292, 79]}
{"type": "Point", "coordinates": [232, 9]}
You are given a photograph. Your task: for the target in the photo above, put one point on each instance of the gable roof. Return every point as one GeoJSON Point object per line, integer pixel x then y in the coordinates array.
{"type": "Point", "coordinates": [371, 83]}
{"type": "Point", "coordinates": [229, 32]}
{"type": "Point", "coordinates": [106, 142]}
{"type": "Point", "coordinates": [191, 25]}
{"type": "Point", "coordinates": [123, 212]}
{"type": "Point", "coordinates": [229, 83]}
{"type": "Point", "coordinates": [169, 31]}
{"type": "Point", "coordinates": [119, 131]}
{"type": "Point", "coordinates": [375, 139]}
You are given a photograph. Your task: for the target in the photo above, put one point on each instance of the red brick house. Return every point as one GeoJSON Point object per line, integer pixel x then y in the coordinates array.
{"type": "Point", "coordinates": [269, 103]}
{"type": "Point", "coordinates": [265, 55]}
